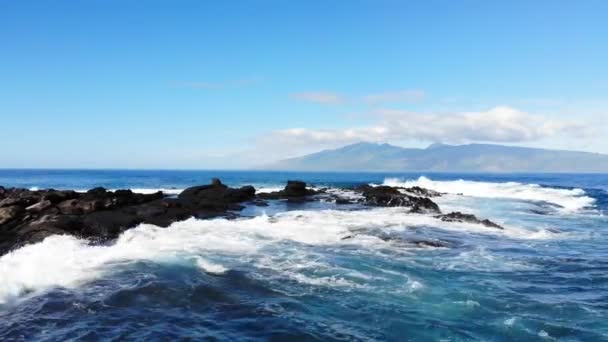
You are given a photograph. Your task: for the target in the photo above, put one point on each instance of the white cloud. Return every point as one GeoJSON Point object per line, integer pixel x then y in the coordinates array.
{"type": "Point", "coordinates": [412, 95]}
{"type": "Point", "coordinates": [322, 97]}
{"type": "Point", "coordinates": [497, 125]}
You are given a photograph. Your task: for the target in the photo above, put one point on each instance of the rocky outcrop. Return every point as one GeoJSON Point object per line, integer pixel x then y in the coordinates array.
{"type": "Point", "coordinates": [29, 216]}
{"type": "Point", "coordinates": [467, 218]}
{"type": "Point", "coordinates": [418, 191]}
{"type": "Point", "coordinates": [10, 213]}
{"type": "Point", "coordinates": [294, 191]}
{"type": "Point", "coordinates": [388, 196]}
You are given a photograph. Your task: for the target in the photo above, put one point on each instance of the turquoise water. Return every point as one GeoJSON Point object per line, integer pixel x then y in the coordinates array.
{"type": "Point", "coordinates": [290, 272]}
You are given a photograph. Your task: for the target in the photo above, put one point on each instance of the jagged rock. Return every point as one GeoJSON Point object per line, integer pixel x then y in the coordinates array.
{"type": "Point", "coordinates": [341, 200]}
{"type": "Point", "coordinates": [387, 196]}
{"type": "Point", "coordinates": [98, 192]}
{"type": "Point", "coordinates": [416, 190]}
{"type": "Point", "coordinates": [20, 197]}
{"type": "Point", "coordinates": [40, 206]}
{"type": "Point", "coordinates": [294, 191]}
{"type": "Point", "coordinates": [56, 196]}
{"type": "Point", "coordinates": [100, 214]}
{"type": "Point", "coordinates": [79, 206]}
{"type": "Point", "coordinates": [8, 214]}
{"type": "Point", "coordinates": [215, 196]}
{"type": "Point", "coordinates": [468, 218]}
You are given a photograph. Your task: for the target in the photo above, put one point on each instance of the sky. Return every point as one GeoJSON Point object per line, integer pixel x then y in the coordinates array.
{"type": "Point", "coordinates": [235, 84]}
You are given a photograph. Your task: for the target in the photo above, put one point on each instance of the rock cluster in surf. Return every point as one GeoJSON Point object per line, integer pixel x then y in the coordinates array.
{"type": "Point", "coordinates": [387, 196]}
{"type": "Point", "coordinates": [467, 218]}
{"type": "Point", "coordinates": [29, 216]}
{"type": "Point", "coordinates": [294, 191]}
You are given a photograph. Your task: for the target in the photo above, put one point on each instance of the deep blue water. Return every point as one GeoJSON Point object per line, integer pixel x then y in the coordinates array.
{"type": "Point", "coordinates": [289, 272]}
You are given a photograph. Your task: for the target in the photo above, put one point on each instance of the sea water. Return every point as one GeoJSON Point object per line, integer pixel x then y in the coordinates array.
{"type": "Point", "coordinates": [321, 271]}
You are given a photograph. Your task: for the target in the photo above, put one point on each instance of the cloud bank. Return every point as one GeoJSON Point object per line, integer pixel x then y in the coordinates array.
{"type": "Point", "coordinates": [496, 125]}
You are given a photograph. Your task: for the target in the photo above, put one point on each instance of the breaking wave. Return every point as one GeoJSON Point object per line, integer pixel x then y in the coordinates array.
{"type": "Point", "coordinates": [212, 245]}
{"type": "Point", "coordinates": [569, 200]}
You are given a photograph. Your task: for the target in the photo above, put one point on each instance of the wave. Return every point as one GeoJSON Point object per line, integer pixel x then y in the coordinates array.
{"type": "Point", "coordinates": [569, 200]}
{"type": "Point", "coordinates": [217, 245]}
{"type": "Point", "coordinates": [151, 191]}
{"type": "Point", "coordinates": [266, 189]}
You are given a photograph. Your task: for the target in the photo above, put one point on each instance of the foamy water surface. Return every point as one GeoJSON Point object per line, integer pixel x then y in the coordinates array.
{"type": "Point", "coordinates": [325, 271]}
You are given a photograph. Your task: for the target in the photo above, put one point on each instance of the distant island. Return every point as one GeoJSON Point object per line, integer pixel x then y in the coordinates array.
{"type": "Point", "coordinates": [366, 156]}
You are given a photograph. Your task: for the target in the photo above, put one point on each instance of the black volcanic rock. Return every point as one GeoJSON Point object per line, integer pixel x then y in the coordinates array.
{"type": "Point", "coordinates": [388, 196]}
{"type": "Point", "coordinates": [215, 196]}
{"type": "Point", "coordinates": [8, 214]}
{"type": "Point", "coordinates": [295, 190]}
{"type": "Point", "coordinates": [28, 216]}
{"type": "Point", "coordinates": [431, 243]}
{"type": "Point", "coordinates": [416, 190]}
{"type": "Point", "coordinates": [342, 200]}
{"type": "Point", "coordinates": [468, 218]}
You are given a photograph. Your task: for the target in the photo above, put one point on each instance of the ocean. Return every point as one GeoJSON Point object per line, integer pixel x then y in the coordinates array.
{"type": "Point", "coordinates": [321, 271]}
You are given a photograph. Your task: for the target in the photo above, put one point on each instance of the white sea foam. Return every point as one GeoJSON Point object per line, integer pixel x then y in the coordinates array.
{"type": "Point", "coordinates": [266, 189]}
{"type": "Point", "coordinates": [570, 200]}
{"type": "Point", "coordinates": [151, 191]}
{"type": "Point", "coordinates": [468, 303]}
{"type": "Point", "coordinates": [481, 260]}
{"type": "Point", "coordinates": [543, 334]}
{"type": "Point", "coordinates": [67, 262]}
{"type": "Point", "coordinates": [210, 267]}
{"type": "Point", "coordinates": [414, 286]}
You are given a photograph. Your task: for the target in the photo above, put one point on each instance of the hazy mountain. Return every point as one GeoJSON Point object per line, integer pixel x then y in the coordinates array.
{"type": "Point", "coordinates": [440, 157]}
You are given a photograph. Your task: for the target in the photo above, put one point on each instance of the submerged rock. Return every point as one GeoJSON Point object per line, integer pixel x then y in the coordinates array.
{"type": "Point", "coordinates": [342, 200]}
{"type": "Point", "coordinates": [468, 218]}
{"type": "Point", "coordinates": [403, 241]}
{"type": "Point", "coordinates": [388, 196]}
{"type": "Point", "coordinates": [431, 243]}
{"type": "Point", "coordinates": [258, 202]}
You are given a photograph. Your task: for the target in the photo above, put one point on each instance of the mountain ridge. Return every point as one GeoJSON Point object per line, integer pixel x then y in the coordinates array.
{"type": "Point", "coordinates": [438, 157]}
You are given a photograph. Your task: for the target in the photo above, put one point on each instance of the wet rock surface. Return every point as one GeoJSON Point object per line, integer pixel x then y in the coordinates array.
{"type": "Point", "coordinates": [294, 191]}
{"type": "Point", "coordinates": [28, 216]}
{"type": "Point", "coordinates": [387, 196]}
{"type": "Point", "coordinates": [418, 191]}
{"type": "Point", "coordinates": [468, 218]}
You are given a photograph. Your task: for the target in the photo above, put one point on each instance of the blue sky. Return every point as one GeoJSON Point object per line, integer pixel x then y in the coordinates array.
{"type": "Point", "coordinates": [222, 84]}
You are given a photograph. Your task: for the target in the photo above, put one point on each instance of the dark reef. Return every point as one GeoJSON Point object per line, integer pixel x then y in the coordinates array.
{"type": "Point", "coordinates": [29, 216]}
{"type": "Point", "coordinates": [387, 196]}
{"type": "Point", "coordinates": [468, 218]}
